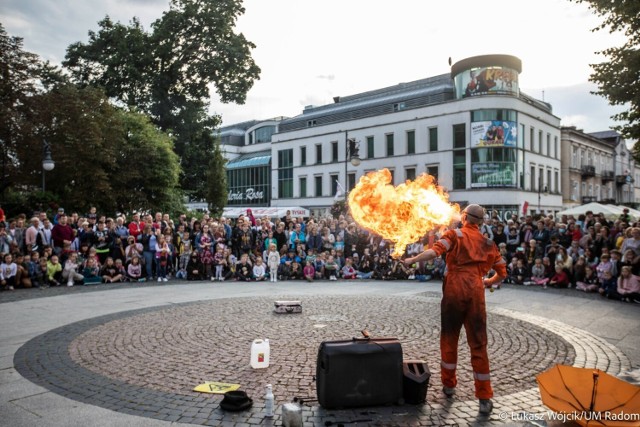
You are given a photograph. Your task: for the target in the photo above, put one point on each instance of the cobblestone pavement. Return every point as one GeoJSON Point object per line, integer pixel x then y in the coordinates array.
{"type": "Point", "coordinates": [146, 362]}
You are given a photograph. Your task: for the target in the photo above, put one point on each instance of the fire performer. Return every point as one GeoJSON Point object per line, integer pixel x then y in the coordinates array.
{"type": "Point", "coordinates": [469, 258]}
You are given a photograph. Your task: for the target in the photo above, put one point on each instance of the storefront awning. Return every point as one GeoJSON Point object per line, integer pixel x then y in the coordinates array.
{"type": "Point", "coordinates": [262, 158]}
{"type": "Point", "coordinates": [272, 212]}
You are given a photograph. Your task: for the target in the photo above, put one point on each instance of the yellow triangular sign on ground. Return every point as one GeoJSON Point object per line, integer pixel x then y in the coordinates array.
{"type": "Point", "coordinates": [215, 387]}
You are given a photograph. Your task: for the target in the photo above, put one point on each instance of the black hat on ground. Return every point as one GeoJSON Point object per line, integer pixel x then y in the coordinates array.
{"type": "Point", "coordinates": [235, 401]}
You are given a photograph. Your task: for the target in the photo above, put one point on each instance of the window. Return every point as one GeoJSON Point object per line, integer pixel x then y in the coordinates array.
{"type": "Point", "coordinates": [351, 180]}
{"type": "Point", "coordinates": [411, 142]}
{"type": "Point", "coordinates": [398, 107]}
{"type": "Point", "coordinates": [540, 141]}
{"type": "Point", "coordinates": [532, 174]}
{"type": "Point", "coordinates": [410, 173]}
{"type": "Point", "coordinates": [532, 141]}
{"type": "Point", "coordinates": [549, 183]}
{"type": "Point", "coordinates": [393, 176]}
{"type": "Point", "coordinates": [303, 156]}
{"type": "Point", "coordinates": [556, 182]}
{"type": "Point", "coordinates": [285, 173]}
{"type": "Point", "coordinates": [493, 167]}
{"type": "Point", "coordinates": [555, 147]}
{"type": "Point", "coordinates": [433, 139]}
{"type": "Point", "coordinates": [318, 180]}
{"type": "Point", "coordinates": [574, 190]}
{"type": "Point", "coordinates": [318, 154]}
{"type": "Point", "coordinates": [334, 151]}
{"type": "Point", "coordinates": [370, 152]}
{"type": "Point", "coordinates": [334, 184]}
{"type": "Point", "coordinates": [489, 115]}
{"type": "Point", "coordinates": [459, 170]}
{"type": "Point", "coordinates": [540, 186]}
{"type": "Point", "coordinates": [389, 139]}
{"type": "Point", "coordinates": [459, 136]}
{"type": "Point", "coordinates": [311, 123]}
{"type": "Point", "coordinates": [549, 144]}
{"type": "Point", "coordinates": [303, 186]}
{"type": "Point", "coordinates": [574, 157]}
{"type": "Point", "coordinates": [433, 171]}
{"type": "Point", "coordinates": [264, 133]}
{"type": "Point", "coordinates": [521, 141]}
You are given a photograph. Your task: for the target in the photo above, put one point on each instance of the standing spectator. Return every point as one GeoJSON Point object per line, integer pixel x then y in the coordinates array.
{"type": "Point", "coordinates": [32, 239]}
{"type": "Point", "coordinates": [5, 239]}
{"type": "Point", "coordinates": [61, 233]}
{"type": "Point", "coordinates": [136, 228]}
{"type": "Point", "coordinates": [148, 241]}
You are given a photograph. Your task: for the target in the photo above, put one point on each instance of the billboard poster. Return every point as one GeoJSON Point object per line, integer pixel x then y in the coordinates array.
{"type": "Point", "coordinates": [494, 133]}
{"type": "Point", "coordinates": [492, 175]}
{"type": "Point", "coordinates": [485, 81]}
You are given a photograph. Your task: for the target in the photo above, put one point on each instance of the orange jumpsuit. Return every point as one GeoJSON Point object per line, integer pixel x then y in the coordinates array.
{"type": "Point", "coordinates": [469, 257]}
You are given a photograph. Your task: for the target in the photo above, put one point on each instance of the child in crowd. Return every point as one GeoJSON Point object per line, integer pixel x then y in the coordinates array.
{"type": "Point", "coordinates": [308, 271]}
{"type": "Point", "coordinates": [91, 272]}
{"type": "Point", "coordinates": [560, 279]}
{"type": "Point", "coordinates": [54, 271]}
{"type": "Point", "coordinates": [331, 269]}
{"type": "Point", "coordinates": [295, 272]}
{"type": "Point", "coordinates": [218, 259]}
{"type": "Point", "coordinates": [163, 254]}
{"type": "Point", "coordinates": [538, 274]}
{"type": "Point", "coordinates": [273, 261]}
{"type": "Point", "coordinates": [590, 282]}
{"type": "Point", "coordinates": [194, 267]}
{"type": "Point", "coordinates": [121, 270]}
{"type": "Point", "coordinates": [109, 271]}
{"type": "Point", "coordinates": [134, 270]}
{"type": "Point", "coordinates": [259, 271]}
{"type": "Point", "coordinates": [628, 286]}
{"type": "Point", "coordinates": [348, 272]}
{"type": "Point", "coordinates": [603, 265]}
{"type": "Point", "coordinates": [318, 266]}
{"type": "Point", "coordinates": [609, 286]}
{"type": "Point", "coordinates": [8, 271]}
{"type": "Point", "coordinates": [40, 278]}
{"type": "Point", "coordinates": [519, 275]}
{"type": "Point", "coordinates": [70, 272]}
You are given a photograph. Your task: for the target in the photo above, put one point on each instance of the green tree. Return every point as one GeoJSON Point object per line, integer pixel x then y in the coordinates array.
{"type": "Point", "coordinates": [217, 180]}
{"type": "Point", "coordinates": [167, 73]}
{"type": "Point", "coordinates": [19, 74]}
{"type": "Point", "coordinates": [618, 78]}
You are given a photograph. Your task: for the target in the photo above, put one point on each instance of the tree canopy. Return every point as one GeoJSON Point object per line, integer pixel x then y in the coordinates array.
{"type": "Point", "coordinates": [167, 72]}
{"type": "Point", "coordinates": [618, 78]}
{"type": "Point", "coordinates": [113, 158]}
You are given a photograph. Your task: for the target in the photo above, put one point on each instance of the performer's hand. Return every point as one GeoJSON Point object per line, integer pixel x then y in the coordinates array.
{"type": "Point", "coordinates": [486, 283]}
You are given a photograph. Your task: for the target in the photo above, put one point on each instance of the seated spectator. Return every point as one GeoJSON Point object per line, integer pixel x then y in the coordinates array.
{"type": "Point", "coordinates": [560, 279]}
{"type": "Point", "coordinates": [109, 272]}
{"type": "Point", "coordinates": [70, 273]}
{"type": "Point", "coordinates": [54, 271]}
{"type": "Point", "coordinates": [8, 271]}
{"type": "Point", "coordinates": [603, 265]}
{"type": "Point", "coordinates": [348, 271]}
{"type": "Point", "coordinates": [382, 267]}
{"type": "Point", "coordinates": [609, 286]}
{"type": "Point", "coordinates": [628, 288]}
{"type": "Point", "coordinates": [244, 270]}
{"type": "Point", "coordinates": [520, 274]}
{"type": "Point", "coordinates": [331, 269]}
{"type": "Point", "coordinates": [259, 271]}
{"type": "Point", "coordinates": [134, 270]}
{"type": "Point", "coordinates": [538, 274]}
{"type": "Point", "coordinates": [194, 267]}
{"type": "Point", "coordinates": [40, 276]}
{"type": "Point", "coordinates": [590, 282]}
{"type": "Point", "coordinates": [309, 272]}
{"type": "Point", "coordinates": [91, 272]}
{"type": "Point", "coordinates": [296, 271]}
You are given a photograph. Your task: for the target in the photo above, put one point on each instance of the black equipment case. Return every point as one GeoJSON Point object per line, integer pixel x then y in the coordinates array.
{"type": "Point", "coordinates": [359, 372]}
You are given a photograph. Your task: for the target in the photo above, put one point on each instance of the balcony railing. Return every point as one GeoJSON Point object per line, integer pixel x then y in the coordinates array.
{"type": "Point", "coordinates": [624, 179]}
{"type": "Point", "coordinates": [589, 199]}
{"type": "Point", "coordinates": [607, 176]}
{"type": "Point", "coordinates": [588, 170]}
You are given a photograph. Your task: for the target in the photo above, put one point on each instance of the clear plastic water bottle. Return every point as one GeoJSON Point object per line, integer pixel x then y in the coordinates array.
{"type": "Point", "coordinates": [268, 402]}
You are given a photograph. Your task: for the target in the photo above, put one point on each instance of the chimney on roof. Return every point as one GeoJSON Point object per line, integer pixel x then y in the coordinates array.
{"type": "Point", "coordinates": [336, 99]}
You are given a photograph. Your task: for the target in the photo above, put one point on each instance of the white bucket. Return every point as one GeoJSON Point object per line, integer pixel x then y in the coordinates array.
{"type": "Point", "coordinates": [260, 354]}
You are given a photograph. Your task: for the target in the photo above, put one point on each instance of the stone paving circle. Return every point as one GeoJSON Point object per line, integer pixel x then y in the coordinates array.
{"type": "Point", "coordinates": [146, 362]}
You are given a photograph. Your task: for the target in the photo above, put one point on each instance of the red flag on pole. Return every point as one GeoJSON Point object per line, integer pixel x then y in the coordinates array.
{"type": "Point", "coordinates": [525, 207]}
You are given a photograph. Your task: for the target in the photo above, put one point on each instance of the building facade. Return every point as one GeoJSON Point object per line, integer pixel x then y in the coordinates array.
{"type": "Point", "coordinates": [472, 129]}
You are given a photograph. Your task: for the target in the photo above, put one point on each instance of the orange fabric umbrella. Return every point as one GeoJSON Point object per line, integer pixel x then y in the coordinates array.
{"type": "Point", "coordinates": [590, 397]}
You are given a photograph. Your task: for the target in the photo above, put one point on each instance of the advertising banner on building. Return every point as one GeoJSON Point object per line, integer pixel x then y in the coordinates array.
{"type": "Point", "coordinates": [492, 175]}
{"type": "Point", "coordinates": [488, 81]}
{"type": "Point", "coordinates": [494, 133]}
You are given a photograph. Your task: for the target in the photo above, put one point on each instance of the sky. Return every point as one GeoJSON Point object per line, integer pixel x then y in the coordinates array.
{"type": "Point", "coordinates": [312, 50]}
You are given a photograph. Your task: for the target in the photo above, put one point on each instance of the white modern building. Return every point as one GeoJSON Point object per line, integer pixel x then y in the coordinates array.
{"type": "Point", "coordinates": [472, 129]}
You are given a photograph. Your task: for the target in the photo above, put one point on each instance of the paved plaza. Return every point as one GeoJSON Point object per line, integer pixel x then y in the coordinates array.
{"type": "Point", "coordinates": [130, 355]}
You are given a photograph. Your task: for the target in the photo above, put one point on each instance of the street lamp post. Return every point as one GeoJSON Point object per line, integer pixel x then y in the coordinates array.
{"type": "Point", "coordinates": [352, 156]}
{"type": "Point", "coordinates": [47, 162]}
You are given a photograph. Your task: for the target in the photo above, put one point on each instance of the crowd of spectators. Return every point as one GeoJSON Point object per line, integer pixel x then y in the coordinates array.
{"type": "Point", "coordinates": [590, 253]}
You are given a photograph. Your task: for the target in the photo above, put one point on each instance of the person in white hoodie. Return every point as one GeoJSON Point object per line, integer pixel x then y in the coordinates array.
{"type": "Point", "coordinates": [273, 261]}
{"type": "Point", "coordinates": [70, 272]}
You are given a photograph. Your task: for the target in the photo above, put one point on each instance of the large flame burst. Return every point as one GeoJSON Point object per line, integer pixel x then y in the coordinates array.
{"type": "Point", "coordinates": [402, 214]}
